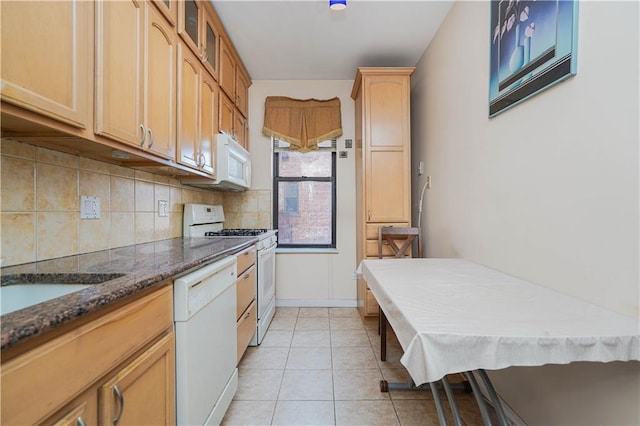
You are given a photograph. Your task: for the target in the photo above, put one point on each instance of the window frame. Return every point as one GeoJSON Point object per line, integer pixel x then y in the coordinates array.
{"type": "Point", "coordinates": [332, 179]}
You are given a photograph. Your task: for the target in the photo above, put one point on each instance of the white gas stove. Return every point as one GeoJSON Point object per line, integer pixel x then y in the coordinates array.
{"type": "Point", "coordinates": [204, 221]}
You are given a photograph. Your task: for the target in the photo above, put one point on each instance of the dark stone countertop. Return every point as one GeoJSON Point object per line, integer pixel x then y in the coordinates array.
{"type": "Point", "coordinates": [128, 270]}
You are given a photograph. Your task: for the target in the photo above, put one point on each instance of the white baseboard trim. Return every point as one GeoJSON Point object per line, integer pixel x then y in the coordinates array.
{"type": "Point", "coordinates": [308, 303]}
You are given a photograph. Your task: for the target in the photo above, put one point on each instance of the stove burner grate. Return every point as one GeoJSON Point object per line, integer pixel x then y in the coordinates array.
{"type": "Point", "coordinates": [235, 233]}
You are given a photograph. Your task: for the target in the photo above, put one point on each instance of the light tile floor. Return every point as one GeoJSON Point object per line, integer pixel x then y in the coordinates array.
{"type": "Point", "coordinates": [321, 366]}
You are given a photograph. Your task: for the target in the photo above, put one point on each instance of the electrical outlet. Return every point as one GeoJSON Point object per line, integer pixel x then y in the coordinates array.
{"type": "Point", "coordinates": [89, 207]}
{"type": "Point", "coordinates": [428, 182]}
{"type": "Point", "coordinates": [163, 208]}
{"type": "Point", "coordinates": [343, 154]}
{"type": "Point", "coordinates": [421, 168]}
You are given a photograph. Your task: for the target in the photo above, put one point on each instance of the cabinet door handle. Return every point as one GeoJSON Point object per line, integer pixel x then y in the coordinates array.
{"type": "Point", "coordinates": [144, 136]}
{"type": "Point", "coordinates": [368, 214]}
{"type": "Point", "coordinates": [118, 393]}
{"type": "Point", "coordinates": [80, 421]}
{"type": "Point", "coordinates": [203, 160]}
{"type": "Point", "coordinates": [151, 136]}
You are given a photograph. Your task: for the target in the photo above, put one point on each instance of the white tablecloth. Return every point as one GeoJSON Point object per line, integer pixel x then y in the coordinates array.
{"type": "Point", "coordinates": [452, 315]}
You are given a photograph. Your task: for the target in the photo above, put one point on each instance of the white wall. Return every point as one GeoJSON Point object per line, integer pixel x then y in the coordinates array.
{"type": "Point", "coordinates": [547, 191]}
{"type": "Point", "coordinates": [319, 278]}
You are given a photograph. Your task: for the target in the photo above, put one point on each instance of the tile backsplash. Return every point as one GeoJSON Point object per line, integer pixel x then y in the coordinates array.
{"type": "Point", "coordinates": [40, 205]}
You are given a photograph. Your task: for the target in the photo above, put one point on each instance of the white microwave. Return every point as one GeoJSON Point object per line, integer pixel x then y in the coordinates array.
{"type": "Point", "coordinates": [233, 167]}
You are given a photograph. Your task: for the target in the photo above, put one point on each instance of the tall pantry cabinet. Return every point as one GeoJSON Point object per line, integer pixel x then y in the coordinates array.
{"type": "Point", "coordinates": [383, 167]}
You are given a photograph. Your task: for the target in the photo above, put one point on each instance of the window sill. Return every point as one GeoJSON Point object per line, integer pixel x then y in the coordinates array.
{"type": "Point", "coordinates": [307, 250]}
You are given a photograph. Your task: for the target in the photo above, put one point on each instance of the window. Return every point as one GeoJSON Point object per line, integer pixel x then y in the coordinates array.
{"type": "Point", "coordinates": [304, 190]}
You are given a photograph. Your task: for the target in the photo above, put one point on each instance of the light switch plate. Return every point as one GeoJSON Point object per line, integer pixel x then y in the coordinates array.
{"type": "Point", "coordinates": [163, 208]}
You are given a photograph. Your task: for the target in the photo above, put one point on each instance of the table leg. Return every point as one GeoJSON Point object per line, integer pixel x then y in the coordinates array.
{"type": "Point", "coordinates": [383, 335]}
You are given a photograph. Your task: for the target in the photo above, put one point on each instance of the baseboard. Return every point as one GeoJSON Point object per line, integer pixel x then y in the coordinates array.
{"type": "Point", "coordinates": [308, 303]}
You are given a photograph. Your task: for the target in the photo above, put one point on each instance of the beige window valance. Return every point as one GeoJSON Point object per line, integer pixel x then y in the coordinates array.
{"type": "Point", "coordinates": [302, 122]}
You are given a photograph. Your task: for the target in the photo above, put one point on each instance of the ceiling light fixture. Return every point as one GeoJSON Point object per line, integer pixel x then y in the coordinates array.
{"type": "Point", "coordinates": [337, 4]}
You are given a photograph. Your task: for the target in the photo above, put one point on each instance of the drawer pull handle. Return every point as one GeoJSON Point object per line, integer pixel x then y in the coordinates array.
{"type": "Point", "coordinates": [80, 421]}
{"type": "Point", "coordinates": [246, 277]}
{"type": "Point", "coordinates": [118, 393]}
{"type": "Point", "coordinates": [247, 315]}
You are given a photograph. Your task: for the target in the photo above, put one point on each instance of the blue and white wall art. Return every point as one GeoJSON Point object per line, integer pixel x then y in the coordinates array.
{"type": "Point", "coordinates": [533, 46]}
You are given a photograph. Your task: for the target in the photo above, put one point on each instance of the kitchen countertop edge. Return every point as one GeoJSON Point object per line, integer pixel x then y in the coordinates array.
{"type": "Point", "coordinates": [19, 326]}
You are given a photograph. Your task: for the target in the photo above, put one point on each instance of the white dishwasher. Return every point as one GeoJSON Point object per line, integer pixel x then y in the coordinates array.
{"type": "Point", "coordinates": [205, 330]}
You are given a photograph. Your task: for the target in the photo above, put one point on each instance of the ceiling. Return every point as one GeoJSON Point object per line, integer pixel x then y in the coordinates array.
{"type": "Point", "coordinates": [305, 40]}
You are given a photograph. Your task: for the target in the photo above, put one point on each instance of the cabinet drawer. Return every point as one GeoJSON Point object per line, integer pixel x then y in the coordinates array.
{"type": "Point", "coordinates": [372, 249]}
{"type": "Point", "coordinates": [245, 291]}
{"type": "Point", "coordinates": [246, 258]}
{"type": "Point", "coordinates": [371, 304]}
{"type": "Point", "coordinates": [372, 229]}
{"type": "Point", "coordinates": [45, 378]}
{"type": "Point", "coordinates": [246, 329]}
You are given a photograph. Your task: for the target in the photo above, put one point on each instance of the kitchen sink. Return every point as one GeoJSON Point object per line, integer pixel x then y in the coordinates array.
{"type": "Point", "coordinates": [21, 291]}
{"type": "Point", "coordinates": [18, 296]}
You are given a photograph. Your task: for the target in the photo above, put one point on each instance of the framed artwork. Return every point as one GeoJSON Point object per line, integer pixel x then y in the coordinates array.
{"type": "Point", "coordinates": [533, 47]}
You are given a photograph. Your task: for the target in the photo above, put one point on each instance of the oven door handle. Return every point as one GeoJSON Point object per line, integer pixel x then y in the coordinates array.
{"type": "Point", "coordinates": [267, 251]}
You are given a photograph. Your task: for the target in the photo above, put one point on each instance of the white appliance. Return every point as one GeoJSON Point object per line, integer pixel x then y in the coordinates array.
{"type": "Point", "coordinates": [266, 293]}
{"type": "Point", "coordinates": [206, 221]}
{"type": "Point", "coordinates": [233, 167]}
{"type": "Point", "coordinates": [206, 343]}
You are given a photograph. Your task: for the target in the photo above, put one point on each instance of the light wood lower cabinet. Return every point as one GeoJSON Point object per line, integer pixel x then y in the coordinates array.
{"type": "Point", "coordinates": [246, 290]}
{"type": "Point", "coordinates": [142, 391]}
{"type": "Point", "coordinates": [246, 328]}
{"type": "Point", "coordinates": [83, 411]}
{"type": "Point", "coordinates": [64, 378]}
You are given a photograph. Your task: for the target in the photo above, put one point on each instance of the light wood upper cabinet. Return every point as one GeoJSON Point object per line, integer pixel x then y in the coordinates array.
{"type": "Point", "coordinates": [199, 31]}
{"type": "Point", "coordinates": [190, 24]}
{"type": "Point", "coordinates": [227, 77]}
{"type": "Point", "coordinates": [188, 107]}
{"type": "Point", "coordinates": [226, 114]}
{"type": "Point", "coordinates": [209, 93]}
{"type": "Point", "coordinates": [197, 113]}
{"type": "Point", "coordinates": [143, 391]}
{"type": "Point", "coordinates": [135, 76]}
{"type": "Point", "coordinates": [387, 145]}
{"type": "Point", "coordinates": [119, 71]}
{"type": "Point", "coordinates": [240, 130]}
{"type": "Point", "coordinates": [232, 122]}
{"type": "Point", "coordinates": [46, 49]}
{"type": "Point", "coordinates": [210, 45]}
{"type": "Point", "coordinates": [169, 9]}
{"type": "Point", "coordinates": [242, 93]}
{"type": "Point", "coordinates": [160, 85]}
